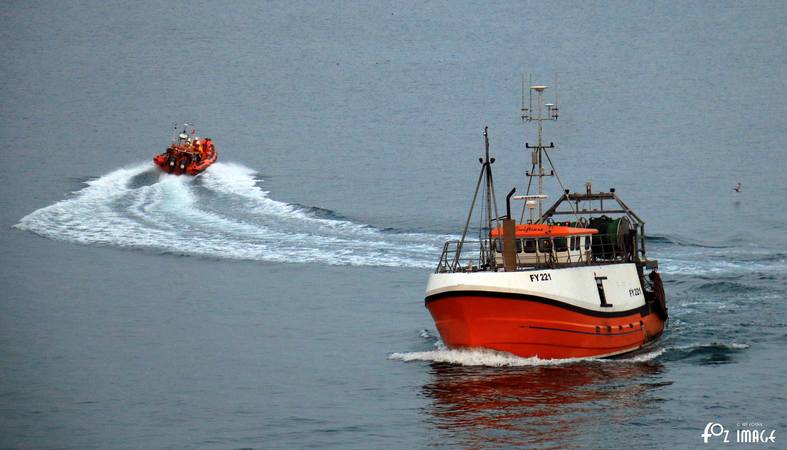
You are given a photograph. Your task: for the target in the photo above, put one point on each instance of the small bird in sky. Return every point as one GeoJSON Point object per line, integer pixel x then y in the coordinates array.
{"type": "Point", "coordinates": [738, 187]}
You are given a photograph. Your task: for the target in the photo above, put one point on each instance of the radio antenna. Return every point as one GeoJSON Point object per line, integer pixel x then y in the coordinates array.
{"type": "Point", "coordinates": [522, 110]}
{"type": "Point", "coordinates": [556, 108]}
{"type": "Point", "coordinates": [530, 83]}
{"type": "Point", "coordinates": [545, 112]}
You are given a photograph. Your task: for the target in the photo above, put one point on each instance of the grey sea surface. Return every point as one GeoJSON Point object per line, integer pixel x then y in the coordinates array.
{"type": "Point", "coordinates": [276, 301]}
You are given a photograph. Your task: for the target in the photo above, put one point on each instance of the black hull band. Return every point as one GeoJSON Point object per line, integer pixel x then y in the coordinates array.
{"type": "Point", "coordinates": [643, 310]}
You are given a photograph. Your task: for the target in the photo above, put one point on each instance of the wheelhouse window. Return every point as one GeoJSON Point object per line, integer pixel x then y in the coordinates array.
{"type": "Point", "coordinates": [545, 245]}
{"type": "Point", "coordinates": [587, 242]}
{"type": "Point", "coordinates": [530, 245]}
{"type": "Point", "coordinates": [498, 245]}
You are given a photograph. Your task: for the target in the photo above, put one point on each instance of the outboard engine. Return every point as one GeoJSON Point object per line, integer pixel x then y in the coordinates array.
{"type": "Point", "coordinates": [184, 162]}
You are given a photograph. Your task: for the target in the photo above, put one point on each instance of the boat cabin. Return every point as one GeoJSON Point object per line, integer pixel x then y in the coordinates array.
{"type": "Point", "coordinates": [539, 244]}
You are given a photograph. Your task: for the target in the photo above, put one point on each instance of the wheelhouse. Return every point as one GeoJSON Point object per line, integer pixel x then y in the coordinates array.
{"type": "Point", "coordinates": [538, 245]}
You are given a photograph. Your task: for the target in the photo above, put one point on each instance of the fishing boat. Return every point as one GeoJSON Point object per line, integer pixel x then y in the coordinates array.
{"type": "Point", "coordinates": [570, 281]}
{"type": "Point", "coordinates": [187, 154]}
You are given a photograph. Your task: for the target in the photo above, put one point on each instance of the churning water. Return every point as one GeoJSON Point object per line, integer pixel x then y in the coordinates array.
{"type": "Point", "coordinates": [223, 213]}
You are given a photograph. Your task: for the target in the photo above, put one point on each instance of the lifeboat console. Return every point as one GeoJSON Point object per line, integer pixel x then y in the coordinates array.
{"type": "Point", "coordinates": [548, 287]}
{"type": "Point", "coordinates": [187, 154]}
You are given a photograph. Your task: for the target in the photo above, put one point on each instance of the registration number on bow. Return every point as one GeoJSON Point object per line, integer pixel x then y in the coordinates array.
{"type": "Point", "coordinates": [540, 277]}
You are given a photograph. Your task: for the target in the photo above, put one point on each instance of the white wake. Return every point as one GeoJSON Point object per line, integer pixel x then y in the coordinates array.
{"type": "Point", "coordinates": [491, 358]}
{"type": "Point", "coordinates": [224, 214]}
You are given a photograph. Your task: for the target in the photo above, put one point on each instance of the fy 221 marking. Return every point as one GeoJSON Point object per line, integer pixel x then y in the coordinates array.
{"type": "Point", "coordinates": [540, 277]}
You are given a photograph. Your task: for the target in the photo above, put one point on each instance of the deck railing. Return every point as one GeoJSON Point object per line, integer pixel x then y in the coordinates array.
{"type": "Point", "coordinates": [474, 256]}
{"type": "Point", "coordinates": [467, 256]}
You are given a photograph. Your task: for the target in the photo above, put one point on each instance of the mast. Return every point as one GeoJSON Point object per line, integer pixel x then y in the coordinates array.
{"type": "Point", "coordinates": [543, 112]}
{"type": "Point", "coordinates": [488, 173]}
{"type": "Point", "coordinates": [490, 200]}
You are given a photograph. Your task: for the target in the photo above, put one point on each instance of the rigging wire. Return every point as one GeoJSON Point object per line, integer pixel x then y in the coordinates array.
{"type": "Point", "coordinates": [554, 170]}
{"type": "Point", "coordinates": [527, 192]}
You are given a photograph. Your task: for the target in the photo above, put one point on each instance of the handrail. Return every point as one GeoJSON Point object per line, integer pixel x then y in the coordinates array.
{"type": "Point", "coordinates": [474, 256]}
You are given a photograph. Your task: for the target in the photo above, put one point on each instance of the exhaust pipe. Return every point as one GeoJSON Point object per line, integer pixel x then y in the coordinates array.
{"type": "Point", "coordinates": [509, 237]}
{"type": "Point", "coordinates": [508, 203]}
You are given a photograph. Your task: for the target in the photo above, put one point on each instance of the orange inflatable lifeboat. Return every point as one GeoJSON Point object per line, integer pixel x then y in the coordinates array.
{"type": "Point", "coordinates": [187, 154]}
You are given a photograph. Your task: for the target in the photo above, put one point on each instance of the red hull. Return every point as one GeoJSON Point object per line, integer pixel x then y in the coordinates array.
{"type": "Point", "coordinates": [185, 163]}
{"type": "Point", "coordinates": [544, 328]}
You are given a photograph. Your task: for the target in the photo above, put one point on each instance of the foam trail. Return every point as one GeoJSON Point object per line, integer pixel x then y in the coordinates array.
{"type": "Point", "coordinates": [223, 213]}
{"type": "Point", "coordinates": [491, 358]}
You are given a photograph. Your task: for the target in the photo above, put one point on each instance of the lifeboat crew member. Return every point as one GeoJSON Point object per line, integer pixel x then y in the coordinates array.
{"type": "Point", "coordinates": [198, 149]}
